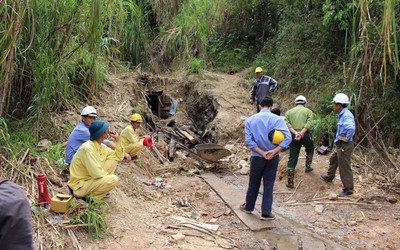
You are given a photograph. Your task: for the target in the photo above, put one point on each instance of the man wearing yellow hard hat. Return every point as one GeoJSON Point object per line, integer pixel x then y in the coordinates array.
{"type": "Point", "coordinates": [130, 138]}
{"type": "Point", "coordinates": [266, 135]}
{"type": "Point", "coordinates": [263, 86]}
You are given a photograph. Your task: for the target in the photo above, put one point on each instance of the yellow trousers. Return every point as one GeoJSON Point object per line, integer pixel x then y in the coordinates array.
{"type": "Point", "coordinates": [134, 148]}
{"type": "Point", "coordinates": [98, 188]}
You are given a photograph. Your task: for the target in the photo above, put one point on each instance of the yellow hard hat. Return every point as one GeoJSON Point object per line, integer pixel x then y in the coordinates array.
{"type": "Point", "coordinates": [136, 118]}
{"type": "Point", "coordinates": [276, 136]}
{"type": "Point", "coordinates": [259, 69]}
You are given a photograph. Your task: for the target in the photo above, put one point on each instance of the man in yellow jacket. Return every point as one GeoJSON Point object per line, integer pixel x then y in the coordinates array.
{"type": "Point", "coordinates": [129, 137]}
{"type": "Point", "coordinates": [93, 165]}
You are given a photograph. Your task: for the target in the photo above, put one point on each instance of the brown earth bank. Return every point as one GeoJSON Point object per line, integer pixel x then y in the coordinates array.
{"type": "Point", "coordinates": [142, 214]}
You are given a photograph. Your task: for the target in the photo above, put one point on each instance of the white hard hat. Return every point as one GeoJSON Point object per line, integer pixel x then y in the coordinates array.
{"type": "Point", "coordinates": [341, 98]}
{"type": "Point", "coordinates": [89, 111]}
{"type": "Point", "coordinates": [300, 99]}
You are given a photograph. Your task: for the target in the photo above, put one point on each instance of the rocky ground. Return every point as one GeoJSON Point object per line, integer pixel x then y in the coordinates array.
{"type": "Point", "coordinates": [141, 215]}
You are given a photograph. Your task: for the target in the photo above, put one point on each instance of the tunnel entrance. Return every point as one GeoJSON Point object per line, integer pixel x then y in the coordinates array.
{"type": "Point", "coordinates": [160, 104]}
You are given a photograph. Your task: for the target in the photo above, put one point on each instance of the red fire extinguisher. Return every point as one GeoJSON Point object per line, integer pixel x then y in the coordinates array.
{"type": "Point", "coordinates": [44, 198]}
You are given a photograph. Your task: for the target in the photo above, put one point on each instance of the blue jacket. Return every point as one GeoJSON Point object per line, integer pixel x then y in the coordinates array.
{"type": "Point", "coordinates": [79, 135]}
{"type": "Point", "coordinates": [257, 128]}
{"type": "Point", "coordinates": [262, 87]}
{"type": "Point", "coordinates": [346, 125]}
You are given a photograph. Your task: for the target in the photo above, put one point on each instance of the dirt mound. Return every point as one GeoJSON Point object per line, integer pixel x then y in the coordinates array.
{"type": "Point", "coordinates": [143, 214]}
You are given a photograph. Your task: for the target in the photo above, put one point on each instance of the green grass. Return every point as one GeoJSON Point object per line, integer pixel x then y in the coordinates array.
{"type": "Point", "coordinates": [195, 66]}
{"type": "Point", "coordinates": [94, 217]}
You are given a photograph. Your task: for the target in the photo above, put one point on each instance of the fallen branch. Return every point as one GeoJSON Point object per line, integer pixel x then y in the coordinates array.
{"type": "Point", "coordinates": [365, 136]}
{"type": "Point", "coordinates": [299, 204]}
{"type": "Point", "coordinates": [315, 195]}
{"type": "Point", "coordinates": [49, 165]}
{"type": "Point", "coordinates": [159, 156]}
{"type": "Point", "coordinates": [23, 157]}
{"type": "Point", "coordinates": [294, 190]}
{"type": "Point", "coordinates": [14, 167]}
{"type": "Point", "coordinates": [74, 239]}
{"type": "Point", "coordinates": [75, 226]}
{"type": "Point", "coordinates": [346, 203]}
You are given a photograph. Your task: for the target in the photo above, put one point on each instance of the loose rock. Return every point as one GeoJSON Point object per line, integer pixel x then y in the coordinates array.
{"type": "Point", "coordinates": [178, 237]}
{"type": "Point", "coordinates": [319, 209]}
{"type": "Point", "coordinates": [333, 196]}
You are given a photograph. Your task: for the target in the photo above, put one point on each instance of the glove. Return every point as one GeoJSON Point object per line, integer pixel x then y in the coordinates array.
{"type": "Point", "coordinates": [147, 141]}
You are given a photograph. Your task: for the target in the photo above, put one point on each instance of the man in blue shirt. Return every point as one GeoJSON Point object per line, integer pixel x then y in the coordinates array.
{"type": "Point", "coordinates": [81, 134]}
{"type": "Point", "coordinates": [344, 146]}
{"type": "Point", "coordinates": [262, 87]}
{"type": "Point", "coordinates": [264, 156]}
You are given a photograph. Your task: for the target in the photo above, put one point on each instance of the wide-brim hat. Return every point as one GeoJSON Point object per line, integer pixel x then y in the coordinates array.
{"type": "Point", "coordinates": [97, 128]}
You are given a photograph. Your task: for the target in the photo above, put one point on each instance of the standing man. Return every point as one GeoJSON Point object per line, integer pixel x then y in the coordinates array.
{"type": "Point", "coordinates": [130, 137]}
{"type": "Point", "coordinates": [15, 218]}
{"type": "Point", "coordinates": [344, 146]}
{"type": "Point", "coordinates": [299, 120]}
{"type": "Point", "coordinates": [81, 134]}
{"type": "Point", "coordinates": [93, 166]}
{"type": "Point", "coordinates": [262, 87]}
{"type": "Point", "coordinates": [264, 156]}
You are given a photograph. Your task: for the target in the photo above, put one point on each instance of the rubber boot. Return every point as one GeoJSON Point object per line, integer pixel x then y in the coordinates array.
{"type": "Point", "coordinates": [309, 157]}
{"type": "Point", "coordinates": [290, 183]}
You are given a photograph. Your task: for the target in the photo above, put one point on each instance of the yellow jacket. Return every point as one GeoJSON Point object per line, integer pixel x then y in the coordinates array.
{"type": "Point", "coordinates": [88, 162]}
{"type": "Point", "coordinates": [129, 136]}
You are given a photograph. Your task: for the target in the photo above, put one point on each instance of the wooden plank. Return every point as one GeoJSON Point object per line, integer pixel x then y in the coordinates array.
{"type": "Point", "coordinates": [233, 197]}
{"type": "Point", "coordinates": [187, 136]}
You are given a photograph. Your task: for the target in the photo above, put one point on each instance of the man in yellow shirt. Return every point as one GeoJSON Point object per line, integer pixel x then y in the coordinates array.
{"type": "Point", "coordinates": [93, 165]}
{"type": "Point", "coordinates": [129, 137]}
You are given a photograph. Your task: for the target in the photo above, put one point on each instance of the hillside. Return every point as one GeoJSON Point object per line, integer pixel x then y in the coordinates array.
{"type": "Point", "coordinates": [141, 216]}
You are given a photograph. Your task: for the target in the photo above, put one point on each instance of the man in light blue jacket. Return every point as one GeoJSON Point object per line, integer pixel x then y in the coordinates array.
{"type": "Point", "coordinates": [344, 145]}
{"type": "Point", "coordinates": [264, 156]}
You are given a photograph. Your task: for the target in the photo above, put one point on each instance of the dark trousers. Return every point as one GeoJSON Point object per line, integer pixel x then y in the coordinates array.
{"type": "Point", "coordinates": [265, 169]}
{"type": "Point", "coordinates": [295, 147]}
{"type": "Point", "coordinates": [342, 158]}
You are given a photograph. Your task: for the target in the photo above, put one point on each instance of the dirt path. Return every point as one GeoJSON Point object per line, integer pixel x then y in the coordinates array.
{"type": "Point", "coordinates": [144, 217]}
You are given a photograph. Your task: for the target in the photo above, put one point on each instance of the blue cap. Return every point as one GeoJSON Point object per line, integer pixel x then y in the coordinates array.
{"type": "Point", "coordinates": [97, 128]}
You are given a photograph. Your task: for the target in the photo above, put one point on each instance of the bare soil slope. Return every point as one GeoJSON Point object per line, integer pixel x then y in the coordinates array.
{"type": "Point", "coordinates": [144, 217]}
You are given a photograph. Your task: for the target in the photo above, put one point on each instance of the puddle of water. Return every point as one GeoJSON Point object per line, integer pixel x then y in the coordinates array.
{"type": "Point", "coordinates": [282, 241]}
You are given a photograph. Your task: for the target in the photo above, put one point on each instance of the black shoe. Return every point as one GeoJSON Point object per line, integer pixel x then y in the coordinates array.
{"type": "Point", "coordinates": [267, 217]}
{"type": "Point", "coordinates": [309, 169]}
{"type": "Point", "coordinates": [345, 192]}
{"type": "Point", "coordinates": [243, 209]}
{"type": "Point", "coordinates": [326, 178]}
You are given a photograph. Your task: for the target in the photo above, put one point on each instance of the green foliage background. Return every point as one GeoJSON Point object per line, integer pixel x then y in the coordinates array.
{"type": "Point", "coordinates": [55, 53]}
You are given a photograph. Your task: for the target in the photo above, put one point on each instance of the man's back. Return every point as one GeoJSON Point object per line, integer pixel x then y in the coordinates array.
{"type": "Point", "coordinates": [259, 125]}
{"type": "Point", "coordinates": [299, 117]}
{"type": "Point", "coordinates": [263, 87]}
{"type": "Point", "coordinates": [15, 218]}
{"type": "Point", "coordinates": [79, 135]}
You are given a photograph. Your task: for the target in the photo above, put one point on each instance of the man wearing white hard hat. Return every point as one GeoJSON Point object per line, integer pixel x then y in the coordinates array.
{"type": "Point", "coordinates": [81, 133]}
{"type": "Point", "coordinates": [344, 143]}
{"type": "Point", "coordinates": [262, 87]}
{"type": "Point", "coordinates": [299, 120]}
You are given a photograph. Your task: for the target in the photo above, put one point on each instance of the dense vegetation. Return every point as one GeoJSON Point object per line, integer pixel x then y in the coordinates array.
{"type": "Point", "coordinates": [56, 53]}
